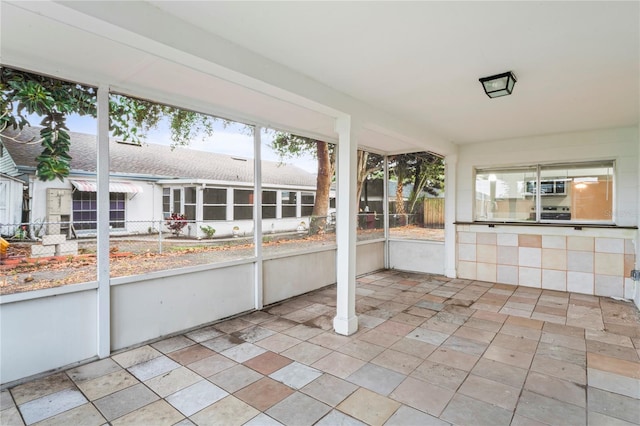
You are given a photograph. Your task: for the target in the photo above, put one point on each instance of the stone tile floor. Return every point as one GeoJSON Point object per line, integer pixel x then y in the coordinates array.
{"type": "Point", "coordinates": [429, 351]}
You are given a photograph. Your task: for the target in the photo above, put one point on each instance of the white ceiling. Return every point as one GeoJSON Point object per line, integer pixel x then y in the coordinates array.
{"type": "Point", "coordinates": [415, 64]}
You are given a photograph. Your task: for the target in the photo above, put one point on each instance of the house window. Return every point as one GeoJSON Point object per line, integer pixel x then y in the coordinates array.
{"type": "Point", "coordinates": [214, 204]}
{"type": "Point", "coordinates": [177, 200]}
{"type": "Point", "coordinates": [289, 202]}
{"type": "Point", "coordinates": [85, 210]}
{"type": "Point", "coordinates": [307, 200]}
{"type": "Point", "coordinates": [269, 201]}
{"type": "Point", "coordinates": [190, 202]}
{"type": "Point", "coordinates": [579, 192]}
{"type": "Point", "coordinates": [166, 202]}
{"type": "Point", "coordinates": [243, 204]}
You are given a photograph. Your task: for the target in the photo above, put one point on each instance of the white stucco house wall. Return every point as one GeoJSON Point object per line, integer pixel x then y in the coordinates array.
{"type": "Point", "coordinates": [148, 182]}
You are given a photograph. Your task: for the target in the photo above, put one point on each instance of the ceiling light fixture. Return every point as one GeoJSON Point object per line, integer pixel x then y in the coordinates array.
{"type": "Point", "coordinates": [498, 85]}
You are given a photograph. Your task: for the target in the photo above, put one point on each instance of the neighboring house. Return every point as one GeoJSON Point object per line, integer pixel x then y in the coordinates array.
{"type": "Point", "coordinates": [11, 196]}
{"type": "Point", "coordinates": [148, 182]}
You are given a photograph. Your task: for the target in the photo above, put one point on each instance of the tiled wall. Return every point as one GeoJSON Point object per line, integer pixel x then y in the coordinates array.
{"type": "Point", "coordinates": [597, 264]}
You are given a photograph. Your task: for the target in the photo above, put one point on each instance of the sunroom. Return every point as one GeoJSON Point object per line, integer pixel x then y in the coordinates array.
{"type": "Point", "coordinates": [541, 186]}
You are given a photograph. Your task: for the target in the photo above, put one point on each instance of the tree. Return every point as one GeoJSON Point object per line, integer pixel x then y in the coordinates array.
{"type": "Point", "coordinates": [423, 169]}
{"type": "Point", "coordinates": [367, 164]}
{"type": "Point", "coordinates": [288, 145]}
{"type": "Point", "coordinates": [401, 169]}
{"type": "Point", "coordinates": [24, 94]}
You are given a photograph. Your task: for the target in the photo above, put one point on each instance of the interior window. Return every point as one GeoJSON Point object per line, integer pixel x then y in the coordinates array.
{"type": "Point", "coordinates": [581, 192]}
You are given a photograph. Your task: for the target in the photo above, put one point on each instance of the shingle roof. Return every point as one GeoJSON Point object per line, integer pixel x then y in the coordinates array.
{"type": "Point", "coordinates": [156, 161]}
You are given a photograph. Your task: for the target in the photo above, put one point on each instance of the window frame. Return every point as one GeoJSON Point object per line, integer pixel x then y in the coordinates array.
{"type": "Point", "coordinates": [270, 206]}
{"type": "Point", "coordinates": [306, 209]}
{"type": "Point", "coordinates": [238, 207]}
{"type": "Point", "coordinates": [540, 180]}
{"type": "Point", "coordinates": [216, 206]}
{"type": "Point", "coordinates": [92, 203]}
{"type": "Point", "coordinates": [287, 207]}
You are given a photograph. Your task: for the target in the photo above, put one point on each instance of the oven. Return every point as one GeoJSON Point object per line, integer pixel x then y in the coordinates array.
{"type": "Point", "coordinates": [555, 213]}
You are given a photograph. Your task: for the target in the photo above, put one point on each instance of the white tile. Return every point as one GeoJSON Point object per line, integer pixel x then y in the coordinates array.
{"type": "Point", "coordinates": [629, 288]}
{"type": "Point", "coordinates": [554, 241]}
{"type": "Point", "coordinates": [629, 247]}
{"type": "Point", "coordinates": [428, 336]}
{"type": "Point", "coordinates": [50, 405]}
{"type": "Point", "coordinates": [467, 237]}
{"type": "Point", "coordinates": [196, 397]}
{"type": "Point", "coordinates": [580, 243]}
{"type": "Point", "coordinates": [609, 264]}
{"type": "Point", "coordinates": [6, 401]}
{"type": "Point", "coordinates": [608, 285]}
{"type": "Point", "coordinates": [203, 334]}
{"type": "Point", "coordinates": [263, 420]}
{"type": "Point", "coordinates": [507, 255]}
{"type": "Point", "coordinates": [529, 277]}
{"type": "Point", "coordinates": [486, 272]}
{"type": "Point", "coordinates": [507, 274]}
{"type": "Point", "coordinates": [153, 368]}
{"type": "Point", "coordinates": [336, 417]}
{"type": "Point", "coordinates": [467, 252]}
{"type": "Point", "coordinates": [296, 375]}
{"type": "Point", "coordinates": [580, 282]}
{"type": "Point", "coordinates": [467, 270]}
{"type": "Point", "coordinates": [580, 261]}
{"type": "Point", "coordinates": [367, 321]}
{"type": "Point", "coordinates": [530, 256]}
{"type": "Point", "coordinates": [610, 245]}
{"type": "Point", "coordinates": [508, 240]}
{"type": "Point", "coordinates": [554, 280]}
{"type": "Point", "coordinates": [243, 352]}
{"type": "Point", "coordinates": [615, 383]}
{"type": "Point", "coordinates": [486, 253]}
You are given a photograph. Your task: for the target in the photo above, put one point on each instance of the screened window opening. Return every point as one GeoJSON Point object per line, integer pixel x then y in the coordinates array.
{"type": "Point", "coordinates": [166, 202]}
{"type": "Point", "coordinates": [214, 204]}
{"type": "Point", "coordinates": [177, 200]}
{"type": "Point", "coordinates": [289, 202]}
{"type": "Point", "coordinates": [307, 200]}
{"type": "Point", "coordinates": [190, 202]}
{"type": "Point", "coordinates": [269, 204]}
{"type": "Point", "coordinates": [243, 204]}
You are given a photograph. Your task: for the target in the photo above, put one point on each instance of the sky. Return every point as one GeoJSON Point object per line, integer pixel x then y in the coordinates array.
{"type": "Point", "coordinates": [231, 140]}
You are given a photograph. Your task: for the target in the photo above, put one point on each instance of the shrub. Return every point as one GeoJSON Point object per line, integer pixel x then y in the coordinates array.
{"type": "Point", "coordinates": [208, 230]}
{"type": "Point", "coordinates": [175, 222]}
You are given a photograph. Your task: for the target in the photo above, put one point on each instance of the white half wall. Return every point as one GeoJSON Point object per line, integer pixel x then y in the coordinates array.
{"type": "Point", "coordinates": [46, 333]}
{"type": "Point", "coordinates": [417, 256]}
{"type": "Point", "coordinates": [151, 308]}
{"type": "Point", "coordinates": [285, 277]}
{"type": "Point", "coordinates": [369, 257]}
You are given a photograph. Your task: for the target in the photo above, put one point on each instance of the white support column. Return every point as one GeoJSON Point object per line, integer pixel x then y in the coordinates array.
{"type": "Point", "coordinates": [451, 169]}
{"type": "Point", "coordinates": [385, 209]}
{"type": "Point", "coordinates": [230, 203]}
{"type": "Point", "coordinates": [346, 321]}
{"type": "Point", "coordinates": [104, 291]}
{"type": "Point", "coordinates": [279, 204]}
{"type": "Point", "coordinates": [257, 214]}
{"type": "Point", "coordinates": [636, 284]}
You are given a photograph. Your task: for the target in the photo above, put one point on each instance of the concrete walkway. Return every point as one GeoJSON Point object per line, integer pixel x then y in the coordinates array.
{"type": "Point", "coordinates": [430, 351]}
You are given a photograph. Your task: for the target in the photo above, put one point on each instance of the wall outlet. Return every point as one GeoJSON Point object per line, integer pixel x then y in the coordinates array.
{"type": "Point", "coordinates": [635, 274]}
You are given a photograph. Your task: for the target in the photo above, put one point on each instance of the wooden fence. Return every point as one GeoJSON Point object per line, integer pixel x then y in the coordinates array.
{"type": "Point", "coordinates": [434, 213]}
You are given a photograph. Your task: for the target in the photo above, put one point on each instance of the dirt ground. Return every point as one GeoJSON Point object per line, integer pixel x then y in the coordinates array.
{"type": "Point", "coordinates": [19, 273]}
